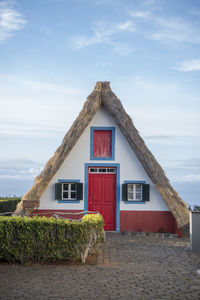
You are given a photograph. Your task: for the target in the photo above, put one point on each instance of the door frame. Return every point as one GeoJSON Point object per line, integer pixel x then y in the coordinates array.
{"type": "Point", "coordinates": [117, 166]}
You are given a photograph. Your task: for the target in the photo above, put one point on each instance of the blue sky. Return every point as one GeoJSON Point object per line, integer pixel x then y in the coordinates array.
{"type": "Point", "coordinates": [53, 51]}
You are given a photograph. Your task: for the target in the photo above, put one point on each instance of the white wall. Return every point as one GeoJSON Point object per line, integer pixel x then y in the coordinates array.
{"type": "Point", "coordinates": [130, 169]}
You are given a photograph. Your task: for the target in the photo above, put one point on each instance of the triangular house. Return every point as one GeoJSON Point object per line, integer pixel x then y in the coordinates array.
{"type": "Point", "coordinates": [104, 165]}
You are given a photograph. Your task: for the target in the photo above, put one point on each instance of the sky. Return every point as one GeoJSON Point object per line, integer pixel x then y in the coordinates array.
{"type": "Point", "coordinates": [52, 52]}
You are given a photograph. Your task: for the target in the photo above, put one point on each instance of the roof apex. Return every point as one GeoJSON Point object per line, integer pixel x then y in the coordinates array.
{"type": "Point", "coordinates": [102, 85]}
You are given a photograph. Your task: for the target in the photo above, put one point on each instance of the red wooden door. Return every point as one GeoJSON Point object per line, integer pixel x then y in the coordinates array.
{"type": "Point", "coordinates": [102, 194]}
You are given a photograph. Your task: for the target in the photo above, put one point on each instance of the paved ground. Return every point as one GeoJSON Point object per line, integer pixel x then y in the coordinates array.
{"type": "Point", "coordinates": [128, 267]}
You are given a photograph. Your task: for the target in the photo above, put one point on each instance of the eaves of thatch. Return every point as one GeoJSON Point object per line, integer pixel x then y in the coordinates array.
{"type": "Point", "coordinates": [103, 95]}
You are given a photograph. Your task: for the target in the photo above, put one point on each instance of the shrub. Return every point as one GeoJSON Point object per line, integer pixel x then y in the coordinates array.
{"type": "Point", "coordinates": [39, 239]}
{"type": "Point", "coordinates": [8, 204]}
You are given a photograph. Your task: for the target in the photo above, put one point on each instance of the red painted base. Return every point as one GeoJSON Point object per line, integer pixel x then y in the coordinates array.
{"type": "Point", "coordinates": [148, 221]}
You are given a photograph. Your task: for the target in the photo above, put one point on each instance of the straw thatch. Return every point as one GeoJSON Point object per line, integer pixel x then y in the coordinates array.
{"type": "Point", "coordinates": [103, 95]}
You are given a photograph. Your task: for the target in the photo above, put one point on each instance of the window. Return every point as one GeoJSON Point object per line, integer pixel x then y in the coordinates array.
{"type": "Point", "coordinates": [69, 191]}
{"type": "Point", "coordinates": [135, 192]}
{"type": "Point", "coordinates": [102, 170]}
{"type": "Point", "coordinates": [66, 191]}
{"type": "Point", "coordinates": [102, 141]}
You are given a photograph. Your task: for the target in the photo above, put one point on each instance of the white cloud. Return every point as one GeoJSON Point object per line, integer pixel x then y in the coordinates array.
{"type": "Point", "coordinates": [102, 33]}
{"type": "Point", "coordinates": [150, 4]}
{"type": "Point", "coordinates": [165, 29]}
{"type": "Point", "coordinates": [187, 178]}
{"type": "Point", "coordinates": [172, 139]}
{"type": "Point", "coordinates": [189, 65]}
{"type": "Point", "coordinates": [140, 14]}
{"type": "Point", "coordinates": [19, 169]}
{"type": "Point", "coordinates": [127, 26]}
{"type": "Point", "coordinates": [175, 30]}
{"type": "Point", "coordinates": [52, 87]}
{"type": "Point", "coordinates": [191, 165]}
{"type": "Point", "coordinates": [41, 85]}
{"type": "Point", "coordinates": [33, 108]}
{"type": "Point", "coordinates": [28, 129]}
{"type": "Point", "coordinates": [163, 104]}
{"type": "Point", "coordinates": [122, 49]}
{"type": "Point", "coordinates": [10, 21]}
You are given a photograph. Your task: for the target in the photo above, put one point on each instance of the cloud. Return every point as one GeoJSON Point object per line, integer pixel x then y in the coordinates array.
{"type": "Point", "coordinates": [10, 21]}
{"type": "Point", "coordinates": [176, 138]}
{"type": "Point", "coordinates": [28, 129]}
{"type": "Point", "coordinates": [193, 163]}
{"type": "Point", "coordinates": [150, 4]}
{"type": "Point", "coordinates": [52, 87]}
{"type": "Point", "coordinates": [187, 165]}
{"type": "Point", "coordinates": [102, 33]}
{"type": "Point", "coordinates": [39, 85]}
{"type": "Point", "coordinates": [140, 14]}
{"type": "Point", "coordinates": [189, 65]}
{"type": "Point", "coordinates": [174, 30]}
{"type": "Point", "coordinates": [165, 29]}
{"type": "Point", "coordinates": [19, 169]}
{"type": "Point", "coordinates": [122, 49]}
{"type": "Point", "coordinates": [36, 112]}
{"type": "Point", "coordinates": [187, 178]}
{"type": "Point", "coordinates": [127, 26]}
{"type": "Point", "coordinates": [185, 171]}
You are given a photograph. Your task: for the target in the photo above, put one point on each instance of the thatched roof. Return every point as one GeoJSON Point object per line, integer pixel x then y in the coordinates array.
{"type": "Point", "coordinates": [103, 95]}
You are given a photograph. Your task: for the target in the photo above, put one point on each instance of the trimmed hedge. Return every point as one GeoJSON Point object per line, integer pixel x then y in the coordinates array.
{"type": "Point", "coordinates": [39, 239]}
{"type": "Point", "coordinates": [9, 204]}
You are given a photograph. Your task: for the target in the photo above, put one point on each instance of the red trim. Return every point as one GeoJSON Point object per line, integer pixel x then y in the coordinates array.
{"type": "Point", "coordinates": [49, 212]}
{"type": "Point", "coordinates": [148, 221]}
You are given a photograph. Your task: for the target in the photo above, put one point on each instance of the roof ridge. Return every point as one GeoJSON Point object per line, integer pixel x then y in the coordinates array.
{"type": "Point", "coordinates": [102, 85]}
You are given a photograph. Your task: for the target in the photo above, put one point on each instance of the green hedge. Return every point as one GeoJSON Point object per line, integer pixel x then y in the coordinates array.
{"type": "Point", "coordinates": [39, 239]}
{"type": "Point", "coordinates": [8, 204]}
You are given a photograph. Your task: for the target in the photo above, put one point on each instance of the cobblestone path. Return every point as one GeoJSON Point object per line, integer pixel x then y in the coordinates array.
{"type": "Point", "coordinates": [131, 267]}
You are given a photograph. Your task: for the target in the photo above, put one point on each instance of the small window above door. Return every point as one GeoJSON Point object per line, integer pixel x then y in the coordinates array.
{"type": "Point", "coordinates": [102, 143]}
{"type": "Point", "coordinates": [102, 170]}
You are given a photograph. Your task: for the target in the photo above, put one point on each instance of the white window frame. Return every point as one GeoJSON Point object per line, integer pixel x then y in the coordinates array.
{"type": "Point", "coordinates": [134, 192]}
{"type": "Point", "coordinates": [69, 191]}
{"type": "Point", "coordinates": [102, 170]}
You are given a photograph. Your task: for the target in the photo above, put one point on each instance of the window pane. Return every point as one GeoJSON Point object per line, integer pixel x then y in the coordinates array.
{"type": "Point", "coordinates": [65, 195]}
{"type": "Point", "coordinates": [138, 187]}
{"type": "Point", "coordinates": [102, 170]}
{"type": "Point", "coordinates": [65, 186]}
{"type": "Point", "coordinates": [111, 170]}
{"type": "Point", "coordinates": [130, 196]}
{"type": "Point", "coordinates": [130, 187]}
{"type": "Point", "coordinates": [73, 187]}
{"type": "Point", "coordinates": [138, 196]}
{"type": "Point", "coordinates": [73, 195]}
{"type": "Point", "coordinates": [93, 170]}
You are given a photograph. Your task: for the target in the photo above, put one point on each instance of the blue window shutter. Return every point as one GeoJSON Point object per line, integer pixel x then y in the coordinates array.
{"type": "Point", "coordinates": [124, 192]}
{"type": "Point", "coordinates": [58, 191]}
{"type": "Point", "coordinates": [79, 191]}
{"type": "Point", "coordinates": [145, 192]}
